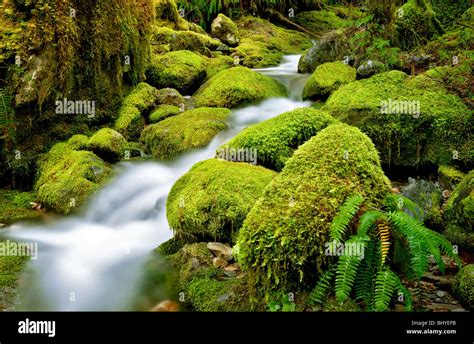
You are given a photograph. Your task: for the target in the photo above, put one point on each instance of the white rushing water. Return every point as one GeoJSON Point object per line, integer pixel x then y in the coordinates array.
{"type": "Point", "coordinates": [94, 261]}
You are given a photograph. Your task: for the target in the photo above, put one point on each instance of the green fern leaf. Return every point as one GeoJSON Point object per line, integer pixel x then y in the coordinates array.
{"type": "Point", "coordinates": [344, 217]}
{"type": "Point", "coordinates": [319, 292]}
{"type": "Point", "coordinates": [385, 286]}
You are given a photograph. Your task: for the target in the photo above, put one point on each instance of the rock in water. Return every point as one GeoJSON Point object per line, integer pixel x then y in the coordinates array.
{"type": "Point", "coordinates": [283, 237]}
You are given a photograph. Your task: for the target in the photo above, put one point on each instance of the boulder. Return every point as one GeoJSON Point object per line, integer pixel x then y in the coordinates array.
{"type": "Point", "coordinates": [283, 237]}
{"type": "Point", "coordinates": [169, 96]}
{"type": "Point", "coordinates": [275, 139]}
{"type": "Point", "coordinates": [225, 29]}
{"type": "Point", "coordinates": [108, 144]}
{"type": "Point", "coordinates": [327, 78]}
{"type": "Point", "coordinates": [182, 70]}
{"type": "Point", "coordinates": [164, 111]}
{"type": "Point", "coordinates": [464, 286]}
{"type": "Point", "coordinates": [238, 86]}
{"type": "Point", "coordinates": [369, 68]}
{"type": "Point", "coordinates": [203, 203]}
{"type": "Point", "coordinates": [177, 134]}
{"type": "Point", "coordinates": [221, 251]}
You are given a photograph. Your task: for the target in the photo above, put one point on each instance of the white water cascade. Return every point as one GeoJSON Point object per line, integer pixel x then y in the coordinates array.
{"type": "Point", "coordinates": [93, 261]}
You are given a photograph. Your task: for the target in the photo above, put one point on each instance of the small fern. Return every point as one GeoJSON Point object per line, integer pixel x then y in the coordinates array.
{"type": "Point", "coordinates": [344, 217]}
{"type": "Point", "coordinates": [322, 288]}
{"type": "Point", "coordinates": [386, 283]}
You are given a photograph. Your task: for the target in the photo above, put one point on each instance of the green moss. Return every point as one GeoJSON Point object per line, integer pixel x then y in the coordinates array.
{"type": "Point", "coordinates": [108, 144]}
{"type": "Point", "coordinates": [162, 112]}
{"type": "Point", "coordinates": [10, 270]}
{"type": "Point", "coordinates": [327, 78]}
{"type": "Point", "coordinates": [322, 21]}
{"type": "Point", "coordinates": [238, 86]}
{"type": "Point", "coordinates": [67, 178]}
{"type": "Point", "coordinates": [218, 64]}
{"type": "Point", "coordinates": [182, 70]}
{"type": "Point", "coordinates": [135, 106]}
{"type": "Point", "coordinates": [277, 138]}
{"type": "Point", "coordinates": [225, 29]}
{"type": "Point", "coordinates": [204, 205]}
{"type": "Point", "coordinates": [264, 44]}
{"type": "Point", "coordinates": [464, 286]}
{"type": "Point", "coordinates": [333, 305]}
{"type": "Point", "coordinates": [450, 176]}
{"type": "Point", "coordinates": [170, 246]}
{"type": "Point", "coordinates": [448, 11]}
{"type": "Point", "coordinates": [191, 129]}
{"type": "Point", "coordinates": [15, 206]}
{"type": "Point", "coordinates": [283, 237]}
{"type": "Point", "coordinates": [459, 236]}
{"type": "Point", "coordinates": [212, 295]}
{"type": "Point", "coordinates": [166, 14]}
{"type": "Point", "coordinates": [78, 142]}
{"type": "Point", "coordinates": [438, 134]}
{"type": "Point", "coordinates": [459, 209]}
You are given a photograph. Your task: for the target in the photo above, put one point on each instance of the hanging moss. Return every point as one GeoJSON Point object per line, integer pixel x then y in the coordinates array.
{"type": "Point", "coordinates": [276, 139]}
{"type": "Point", "coordinates": [283, 237]}
{"type": "Point", "coordinates": [210, 202]}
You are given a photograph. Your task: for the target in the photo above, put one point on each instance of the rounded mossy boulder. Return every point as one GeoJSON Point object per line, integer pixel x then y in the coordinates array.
{"type": "Point", "coordinates": [327, 78]}
{"type": "Point", "coordinates": [108, 144]}
{"type": "Point", "coordinates": [163, 112]}
{"type": "Point", "coordinates": [182, 70]}
{"type": "Point", "coordinates": [68, 177]}
{"type": "Point", "coordinates": [225, 29]}
{"type": "Point", "coordinates": [15, 206]}
{"type": "Point", "coordinates": [135, 107]}
{"type": "Point", "coordinates": [275, 139]}
{"type": "Point", "coordinates": [283, 237]}
{"type": "Point", "coordinates": [218, 64]}
{"type": "Point", "coordinates": [191, 129]}
{"type": "Point", "coordinates": [165, 40]}
{"type": "Point", "coordinates": [413, 121]}
{"type": "Point", "coordinates": [460, 206]}
{"type": "Point", "coordinates": [210, 202]}
{"type": "Point", "coordinates": [463, 286]}
{"type": "Point", "coordinates": [238, 86]}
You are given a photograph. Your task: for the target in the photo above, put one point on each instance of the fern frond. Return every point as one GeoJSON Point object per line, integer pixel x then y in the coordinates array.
{"type": "Point", "coordinates": [344, 217]}
{"type": "Point", "coordinates": [398, 202]}
{"type": "Point", "coordinates": [383, 230]}
{"type": "Point", "coordinates": [386, 283]}
{"type": "Point", "coordinates": [407, 299]}
{"type": "Point", "coordinates": [347, 268]}
{"type": "Point", "coordinates": [319, 292]}
{"type": "Point", "coordinates": [368, 220]}
{"type": "Point", "coordinates": [363, 285]}
{"type": "Point", "coordinates": [446, 247]}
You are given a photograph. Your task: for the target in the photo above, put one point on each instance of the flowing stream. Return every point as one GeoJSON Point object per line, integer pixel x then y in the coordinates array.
{"type": "Point", "coordinates": [94, 261]}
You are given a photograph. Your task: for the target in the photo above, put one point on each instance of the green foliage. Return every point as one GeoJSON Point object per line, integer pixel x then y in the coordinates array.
{"type": "Point", "coordinates": [341, 221]}
{"type": "Point", "coordinates": [7, 116]}
{"type": "Point", "coordinates": [319, 293]}
{"type": "Point", "coordinates": [281, 302]}
{"type": "Point", "coordinates": [372, 278]}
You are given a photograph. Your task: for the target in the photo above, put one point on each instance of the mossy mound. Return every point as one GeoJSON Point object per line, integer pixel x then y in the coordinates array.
{"type": "Point", "coordinates": [263, 44]}
{"type": "Point", "coordinates": [67, 178]}
{"type": "Point", "coordinates": [182, 70]}
{"type": "Point", "coordinates": [135, 106]}
{"type": "Point", "coordinates": [460, 206]}
{"type": "Point", "coordinates": [449, 176]}
{"type": "Point", "coordinates": [327, 78]}
{"type": "Point", "coordinates": [238, 86]}
{"type": "Point", "coordinates": [108, 144]}
{"type": "Point", "coordinates": [218, 64]}
{"type": "Point", "coordinates": [322, 21]}
{"type": "Point", "coordinates": [283, 237]}
{"type": "Point", "coordinates": [464, 286]}
{"type": "Point", "coordinates": [225, 29]}
{"type": "Point", "coordinates": [10, 270]}
{"type": "Point", "coordinates": [162, 112]}
{"type": "Point", "coordinates": [191, 129]}
{"type": "Point", "coordinates": [416, 23]}
{"type": "Point", "coordinates": [15, 206]}
{"type": "Point", "coordinates": [210, 202]}
{"type": "Point", "coordinates": [412, 121]}
{"type": "Point", "coordinates": [165, 40]}
{"type": "Point", "coordinates": [276, 139]}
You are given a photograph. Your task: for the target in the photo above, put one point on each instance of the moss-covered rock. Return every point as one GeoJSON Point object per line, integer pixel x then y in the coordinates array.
{"type": "Point", "coordinates": [182, 70]}
{"type": "Point", "coordinates": [135, 107]}
{"type": "Point", "coordinates": [449, 176]}
{"type": "Point", "coordinates": [327, 78]}
{"type": "Point", "coordinates": [15, 206]}
{"type": "Point", "coordinates": [191, 129]}
{"type": "Point", "coordinates": [464, 286]}
{"type": "Point", "coordinates": [10, 270]}
{"type": "Point", "coordinates": [324, 21]}
{"type": "Point", "coordinates": [416, 23]}
{"type": "Point", "coordinates": [218, 64]}
{"type": "Point", "coordinates": [448, 11]}
{"type": "Point", "coordinates": [276, 139]}
{"type": "Point", "coordinates": [67, 178]}
{"type": "Point", "coordinates": [263, 44]}
{"type": "Point", "coordinates": [460, 206]}
{"type": "Point", "coordinates": [162, 112]}
{"type": "Point", "coordinates": [108, 144]}
{"type": "Point", "coordinates": [369, 68]}
{"type": "Point", "coordinates": [238, 86]}
{"type": "Point", "coordinates": [210, 202]}
{"type": "Point", "coordinates": [283, 237]}
{"type": "Point", "coordinates": [412, 121]}
{"type": "Point", "coordinates": [225, 29]}
{"type": "Point", "coordinates": [166, 14]}
{"type": "Point", "coordinates": [331, 47]}
{"type": "Point", "coordinates": [170, 96]}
